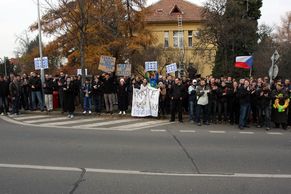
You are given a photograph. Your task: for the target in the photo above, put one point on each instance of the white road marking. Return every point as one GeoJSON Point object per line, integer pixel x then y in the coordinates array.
{"type": "Point", "coordinates": [45, 120]}
{"type": "Point", "coordinates": [158, 130]}
{"type": "Point", "coordinates": [246, 132]}
{"type": "Point", "coordinates": [72, 121]}
{"type": "Point", "coordinates": [274, 133]}
{"type": "Point", "coordinates": [187, 131]}
{"type": "Point", "coordinates": [106, 122]}
{"type": "Point", "coordinates": [217, 132]}
{"type": "Point", "coordinates": [142, 125]}
{"type": "Point", "coordinates": [20, 118]}
{"type": "Point", "coordinates": [142, 173]}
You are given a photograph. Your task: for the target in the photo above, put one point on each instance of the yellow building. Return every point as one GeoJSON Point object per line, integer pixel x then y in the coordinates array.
{"type": "Point", "coordinates": [175, 24]}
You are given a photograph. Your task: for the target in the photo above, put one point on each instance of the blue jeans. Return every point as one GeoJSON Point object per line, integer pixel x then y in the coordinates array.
{"type": "Point", "coordinates": [34, 95]}
{"type": "Point", "coordinates": [87, 103]}
{"type": "Point", "coordinates": [202, 110]}
{"type": "Point", "coordinates": [192, 110]}
{"type": "Point", "coordinates": [244, 114]}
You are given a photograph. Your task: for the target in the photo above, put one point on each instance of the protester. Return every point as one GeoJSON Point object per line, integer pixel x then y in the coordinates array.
{"type": "Point", "coordinates": [244, 94]}
{"type": "Point", "coordinates": [15, 89]}
{"type": "Point", "coordinates": [4, 91]}
{"type": "Point", "coordinates": [35, 85]}
{"type": "Point", "coordinates": [280, 105]}
{"type": "Point", "coordinates": [97, 93]}
{"type": "Point", "coordinates": [87, 93]}
{"type": "Point", "coordinates": [202, 103]}
{"type": "Point", "coordinates": [108, 80]}
{"type": "Point", "coordinates": [192, 101]}
{"type": "Point", "coordinates": [122, 97]}
{"type": "Point", "coordinates": [69, 94]}
{"type": "Point", "coordinates": [176, 95]}
{"type": "Point", "coordinates": [48, 92]}
{"type": "Point", "coordinates": [162, 100]}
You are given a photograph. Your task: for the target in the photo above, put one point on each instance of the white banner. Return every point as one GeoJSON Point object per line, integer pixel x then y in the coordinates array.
{"type": "Point", "coordinates": [145, 102]}
{"type": "Point", "coordinates": [172, 68]}
{"type": "Point", "coordinates": [151, 66]}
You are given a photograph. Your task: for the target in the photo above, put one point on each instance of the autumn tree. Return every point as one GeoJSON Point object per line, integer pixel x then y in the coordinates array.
{"type": "Point", "coordinates": [86, 29]}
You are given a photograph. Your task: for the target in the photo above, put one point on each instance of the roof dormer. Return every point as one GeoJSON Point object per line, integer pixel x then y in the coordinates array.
{"type": "Point", "coordinates": [176, 10]}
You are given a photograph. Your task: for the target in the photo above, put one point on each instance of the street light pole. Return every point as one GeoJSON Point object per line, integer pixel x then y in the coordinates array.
{"type": "Point", "coordinates": [40, 43]}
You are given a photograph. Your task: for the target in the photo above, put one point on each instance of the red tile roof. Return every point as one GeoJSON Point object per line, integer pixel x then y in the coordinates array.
{"type": "Point", "coordinates": [162, 11]}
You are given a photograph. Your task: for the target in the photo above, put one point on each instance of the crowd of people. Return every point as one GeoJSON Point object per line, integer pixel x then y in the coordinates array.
{"type": "Point", "coordinates": [206, 100]}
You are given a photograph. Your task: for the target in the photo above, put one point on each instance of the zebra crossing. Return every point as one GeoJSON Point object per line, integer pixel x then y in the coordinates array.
{"type": "Point", "coordinates": [90, 123]}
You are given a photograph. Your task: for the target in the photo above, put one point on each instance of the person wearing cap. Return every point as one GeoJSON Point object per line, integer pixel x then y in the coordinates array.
{"type": "Point", "coordinates": [192, 101]}
{"type": "Point", "coordinates": [280, 106]}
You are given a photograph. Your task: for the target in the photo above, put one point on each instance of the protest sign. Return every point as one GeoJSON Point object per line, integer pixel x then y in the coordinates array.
{"type": "Point", "coordinates": [107, 64]}
{"type": "Point", "coordinates": [172, 68]}
{"type": "Point", "coordinates": [123, 70]}
{"type": "Point", "coordinates": [151, 66]}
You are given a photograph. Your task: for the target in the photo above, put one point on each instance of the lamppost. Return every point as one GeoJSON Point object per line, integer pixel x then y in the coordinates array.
{"type": "Point", "coordinates": [40, 43]}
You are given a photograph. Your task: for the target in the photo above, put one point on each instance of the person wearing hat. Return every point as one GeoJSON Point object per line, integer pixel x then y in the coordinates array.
{"type": "Point", "coordinates": [192, 101]}
{"type": "Point", "coordinates": [280, 106]}
{"type": "Point", "coordinates": [122, 97]}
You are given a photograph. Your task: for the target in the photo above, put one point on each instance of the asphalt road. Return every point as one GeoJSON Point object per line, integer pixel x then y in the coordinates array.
{"type": "Point", "coordinates": [176, 158]}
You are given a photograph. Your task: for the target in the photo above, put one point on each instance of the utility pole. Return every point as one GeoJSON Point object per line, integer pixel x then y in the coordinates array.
{"type": "Point", "coordinates": [40, 43]}
{"type": "Point", "coordinates": [181, 47]}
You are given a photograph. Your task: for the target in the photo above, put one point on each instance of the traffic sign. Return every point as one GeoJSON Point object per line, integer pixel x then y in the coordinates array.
{"type": "Point", "coordinates": [38, 65]}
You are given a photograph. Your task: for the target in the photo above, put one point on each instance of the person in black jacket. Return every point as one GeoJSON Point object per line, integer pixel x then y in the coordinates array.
{"type": "Point", "coordinates": [15, 90]}
{"type": "Point", "coordinates": [4, 91]}
{"type": "Point", "coordinates": [48, 92]}
{"type": "Point", "coordinates": [122, 97]}
{"type": "Point", "coordinates": [69, 96]}
{"type": "Point", "coordinates": [264, 97]}
{"type": "Point", "coordinates": [97, 93]}
{"type": "Point", "coordinates": [35, 85]}
{"type": "Point", "coordinates": [108, 89]}
{"type": "Point", "coordinates": [177, 92]}
{"type": "Point", "coordinates": [244, 93]}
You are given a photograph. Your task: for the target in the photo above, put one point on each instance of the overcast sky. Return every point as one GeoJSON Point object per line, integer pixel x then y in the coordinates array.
{"type": "Point", "coordinates": [17, 15]}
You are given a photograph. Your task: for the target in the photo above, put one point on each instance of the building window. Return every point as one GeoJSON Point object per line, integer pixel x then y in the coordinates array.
{"type": "Point", "coordinates": [190, 38]}
{"type": "Point", "coordinates": [166, 39]}
{"type": "Point", "coordinates": [178, 39]}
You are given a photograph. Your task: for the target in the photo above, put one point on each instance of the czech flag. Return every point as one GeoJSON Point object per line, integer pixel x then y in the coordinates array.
{"type": "Point", "coordinates": [245, 62]}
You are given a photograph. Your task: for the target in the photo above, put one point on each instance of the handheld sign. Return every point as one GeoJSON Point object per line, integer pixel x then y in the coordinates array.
{"type": "Point", "coordinates": [123, 70]}
{"type": "Point", "coordinates": [107, 64]}
{"type": "Point", "coordinates": [151, 66]}
{"type": "Point", "coordinates": [171, 68]}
